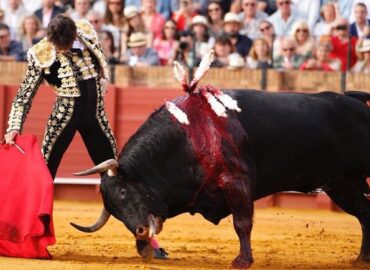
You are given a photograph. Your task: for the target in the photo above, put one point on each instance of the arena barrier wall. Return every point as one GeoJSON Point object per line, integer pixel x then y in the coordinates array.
{"type": "Point", "coordinates": [136, 93]}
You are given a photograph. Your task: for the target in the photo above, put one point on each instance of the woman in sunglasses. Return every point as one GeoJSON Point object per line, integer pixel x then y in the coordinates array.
{"type": "Point", "coordinates": [302, 35]}
{"type": "Point", "coordinates": [215, 18]}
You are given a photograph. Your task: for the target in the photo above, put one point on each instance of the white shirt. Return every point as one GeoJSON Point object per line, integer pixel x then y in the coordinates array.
{"type": "Point", "coordinates": [307, 10]}
{"type": "Point", "coordinates": [14, 20]}
{"type": "Point", "coordinates": [252, 28]}
{"type": "Point", "coordinates": [282, 27]}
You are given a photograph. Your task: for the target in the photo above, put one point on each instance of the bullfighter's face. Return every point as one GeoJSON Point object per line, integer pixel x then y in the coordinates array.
{"type": "Point", "coordinates": [131, 203]}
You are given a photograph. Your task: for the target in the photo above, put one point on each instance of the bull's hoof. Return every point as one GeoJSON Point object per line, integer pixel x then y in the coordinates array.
{"type": "Point", "coordinates": [241, 263]}
{"type": "Point", "coordinates": [147, 253]}
{"type": "Point", "coordinates": [363, 259]}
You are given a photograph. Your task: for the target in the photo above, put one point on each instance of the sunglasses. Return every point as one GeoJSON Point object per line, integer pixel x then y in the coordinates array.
{"type": "Point", "coordinates": [263, 29]}
{"type": "Point", "coordinates": [213, 10]}
{"type": "Point", "coordinates": [289, 49]}
{"type": "Point", "coordinates": [94, 21]}
{"type": "Point", "coordinates": [4, 36]}
{"type": "Point", "coordinates": [250, 4]}
{"type": "Point", "coordinates": [284, 3]}
{"type": "Point", "coordinates": [170, 27]}
{"type": "Point", "coordinates": [341, 27]}
{"type": "Point", "coordinates": [115, 3]}
{"type": "Point", "coordinates": [302, 30]}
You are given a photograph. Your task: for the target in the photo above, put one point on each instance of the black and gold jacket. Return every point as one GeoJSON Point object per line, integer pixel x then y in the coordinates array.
{"type": "Point", "coordinates": [44, 62]}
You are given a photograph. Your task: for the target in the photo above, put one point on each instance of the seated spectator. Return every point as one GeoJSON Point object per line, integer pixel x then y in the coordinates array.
{"type": "Point", "coordinates": [114, 20]}
{"type": "Point", "coordinates": [284, 18]}
{"type": "Point", "coordinates": [360, 27]}
{"type": "Point", "coordinates": [138, 55]}
{"type": "Point", "coordinates": [10, 50]}
{"type": "Point", "coordinates": [328, 13]}
{"type": "Point", "coordinates": [267, 32]}
{"type": "Point", "coordinates": [96, 20]}
{"type": "Point", "coordinates": [14, 15]}
{"type": "Point", "coordinates": [232, 25]}
{"type": "Point", "coordinates": [215, 18]}
{"type": "Point", "coordinates": [31, 32]}
{"type": "Point", "coordinates": [48, 11]}
{"type": "Point", "coordinates": [352, 17]}
{"type": "Point", "coordinates": [184, 15]}
{"type": "Point", "coordinates": [260, 55]}
{"type": "Point", "coordinates": [251, 18]}
{"type": "Point", "coordinates": [341, 43]}
{"type": "Point", "coordinates": [363, 56]}
{"type": "Point", "coordinates": [153, 20]}
{"type": "Point", "coordinates": [321, 59]}
{"type": "Point", "coordinates": [305, 42]}
{"type": "Point", "coordinates": [236, 62]}
{"type": "Point", "coordinates": [135, 24]}
{"type": "Point", "coordinates": [203, 42]}
{"type": "Point", "coordinates": [184, 54]}
{"type": "Point", "coordinates": [81, 8]}
{"type": "Point", "coordinates": [289, 59]}
{"type": "Point", "coordinates": [167, 44]}
{"type": "Point", "coordinates": [223, 48]}
{"type": "Point", "coordinates": [107, 44]}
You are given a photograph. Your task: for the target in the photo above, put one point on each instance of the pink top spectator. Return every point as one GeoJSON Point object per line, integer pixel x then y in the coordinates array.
{"type": "Point", "coordinates": [157, 25]}
{"type": "Point", "coordinates": [164, 49]}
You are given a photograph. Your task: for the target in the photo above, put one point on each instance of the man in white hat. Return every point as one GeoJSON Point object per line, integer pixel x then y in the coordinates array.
{"type": "Point", "coordinates": [138, 55]}
{"type": "Point", "coordinates": [232, 26]}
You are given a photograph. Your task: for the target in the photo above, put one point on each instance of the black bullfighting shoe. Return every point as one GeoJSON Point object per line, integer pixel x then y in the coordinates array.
{"type": "Point", "coordinates": [160, 253]}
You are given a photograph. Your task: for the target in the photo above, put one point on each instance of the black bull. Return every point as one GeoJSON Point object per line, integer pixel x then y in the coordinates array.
{"type": "Point", "coordinates": [216, 166]}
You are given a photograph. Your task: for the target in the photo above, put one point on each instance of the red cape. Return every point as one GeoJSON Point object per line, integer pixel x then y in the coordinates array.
{"type": "Point", "coordinates": [26, 201]}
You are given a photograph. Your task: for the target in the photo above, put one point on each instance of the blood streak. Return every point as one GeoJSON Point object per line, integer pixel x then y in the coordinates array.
{"type": "Point", "coordinates": [215, 140]}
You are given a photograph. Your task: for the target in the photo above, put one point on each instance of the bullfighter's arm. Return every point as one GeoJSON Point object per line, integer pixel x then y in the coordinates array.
{"type": "Point", "coordinates": [23, 100]}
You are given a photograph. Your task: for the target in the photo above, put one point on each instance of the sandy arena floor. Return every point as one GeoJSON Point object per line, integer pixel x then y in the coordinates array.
{"type": "Point", "coordinates": [281, 239]}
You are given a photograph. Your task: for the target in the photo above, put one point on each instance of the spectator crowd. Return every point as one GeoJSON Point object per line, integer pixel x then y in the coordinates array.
{"type": "Point", "coordinates": [282, 34]}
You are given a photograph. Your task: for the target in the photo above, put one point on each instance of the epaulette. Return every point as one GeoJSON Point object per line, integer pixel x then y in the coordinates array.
{"type": "Point", "coordinates": [86, 30]}
{"type": "Point", "coordinates": [43, 53]}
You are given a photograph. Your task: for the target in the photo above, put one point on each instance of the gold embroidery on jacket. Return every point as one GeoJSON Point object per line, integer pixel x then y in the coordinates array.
{"type": "Point", "coordinates": [22, 101]}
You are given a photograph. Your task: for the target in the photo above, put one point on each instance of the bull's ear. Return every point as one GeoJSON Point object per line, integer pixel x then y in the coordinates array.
{"type": "Point", "coordinates": [110, 165]}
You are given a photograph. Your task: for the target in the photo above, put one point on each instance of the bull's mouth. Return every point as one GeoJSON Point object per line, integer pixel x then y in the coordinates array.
{"type": "Point", "coordinates": [144, 234]}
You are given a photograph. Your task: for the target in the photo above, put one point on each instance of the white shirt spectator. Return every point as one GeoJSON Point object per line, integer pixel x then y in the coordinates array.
{"type": "Point", "coordinates": [252, 28]}
{"type": "Point", "coordinates": [354, 3]}
{"type": "Point", "coordinates": [282, 27]}
{"type": "Point", "coordinates": [14, 20]}
{"type": "Point", "coordinates": [31, 6]}
{"type": "Point", "coordinates": [307, 10]}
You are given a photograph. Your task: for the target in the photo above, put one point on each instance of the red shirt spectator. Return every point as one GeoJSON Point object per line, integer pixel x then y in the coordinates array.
{"type": "Point", "coordinates": [183, 17]}
{"type": "Point", "coordinates": [341, 41]}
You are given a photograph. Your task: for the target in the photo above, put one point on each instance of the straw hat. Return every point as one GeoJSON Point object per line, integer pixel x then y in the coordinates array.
{"type": "Point", "coordinates": [137, 39]}
{"type": "Point", "coordinates": [130, 12]}
{"type": "Point", "coordinates": [365, 46]}
{"type": "Point", "coordinates": [199, 19]}
{"type": "Point", "coordinates": [236, 61]}
{"type": "Point", "coordinates": [232, 17]}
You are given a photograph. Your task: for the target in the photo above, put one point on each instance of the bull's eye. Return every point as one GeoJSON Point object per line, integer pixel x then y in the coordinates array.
{"type": "Point", "coordinates": [123, 193]}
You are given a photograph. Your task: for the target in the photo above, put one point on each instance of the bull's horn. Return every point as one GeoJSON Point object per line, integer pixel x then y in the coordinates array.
{"type": "Point", "coordinates": [152, 226]}
{"type": "Point", "coordinates": [104, 216]}
{"type": "Point", "coordinates": [109, 165]}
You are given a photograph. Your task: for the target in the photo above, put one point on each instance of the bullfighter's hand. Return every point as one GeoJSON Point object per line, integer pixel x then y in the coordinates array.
{"type": "Point", "coordinates": [10, 136]}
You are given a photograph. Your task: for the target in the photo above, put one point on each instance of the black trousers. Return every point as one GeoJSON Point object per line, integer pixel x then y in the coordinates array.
{"type": "Point", "coordinates": [83, 119]}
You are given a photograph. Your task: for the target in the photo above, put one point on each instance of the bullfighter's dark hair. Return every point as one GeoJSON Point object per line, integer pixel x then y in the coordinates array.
{"type": "Point", "coordinates": [62, 31]}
